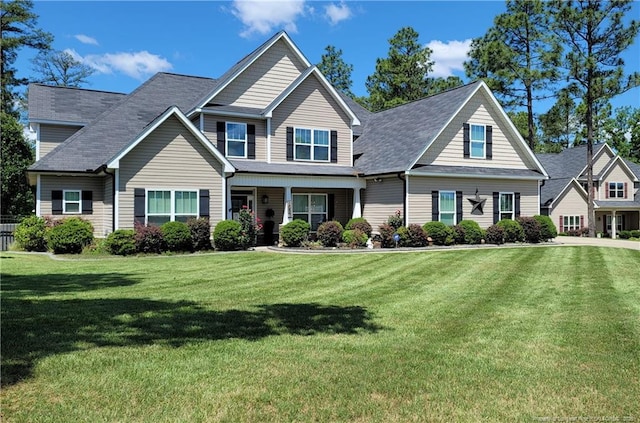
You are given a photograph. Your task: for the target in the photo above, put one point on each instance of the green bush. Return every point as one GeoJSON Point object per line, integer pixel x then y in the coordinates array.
{"type": "Point", "coordinates": [439, 233]}
{"type": "Point", "coordinates": [295, 233]}
{"type": "Point", "coordinates": [200, 233]}
{"type": "Point", "coordinates": [149, 239]}
{"type": "Point", "coordinates": [177, 236]}
{"type": "Point", "coordinates": [547, 228]}
{"type": "Point", "coordinates": [70, 236]}
{"type": "Point", "coordinates": [513, 231]}
{"type": "Point", "coordinates": [359, 223]}
{"type": "Point", "coordinates": [629, 234]}
{"type": "Point", "coordinates": [227, 235]}
{"type": "Point", "coordinates": [412, 236]}
{"type": "Point", "coordinates": [249, 228]}
{"type": "Point", "coordinates": [532, 229]}
{"type": "Point", "coordinates": [30, 234]}
{"type": "Point", "coordinates": [494, 235]}
{"type": "Point", "coordinates": [396, 220]}
{"type": "Point", "coordinates": [468, 232]}
{"type": "Point", "coordinates": [330, 233]}
{"type": "Point", "coordinates": [121, 242]}
{"type": "Point", "coordinates": [355, 238]}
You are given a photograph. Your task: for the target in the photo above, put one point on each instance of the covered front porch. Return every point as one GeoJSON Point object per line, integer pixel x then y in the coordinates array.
{"type": "Point", "coordinates": [610, 221]}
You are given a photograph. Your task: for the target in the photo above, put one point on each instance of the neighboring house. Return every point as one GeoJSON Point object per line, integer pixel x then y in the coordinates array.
{"type": "Point", "coordinates": [272, 133]}
{"type": "Point", "coordinates": [616, 190]}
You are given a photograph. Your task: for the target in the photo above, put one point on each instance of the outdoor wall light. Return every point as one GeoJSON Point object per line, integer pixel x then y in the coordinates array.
{"type": "Point", "coordinates": [265, 199]}
{"type": "Point", "coordinates": [377, 180]}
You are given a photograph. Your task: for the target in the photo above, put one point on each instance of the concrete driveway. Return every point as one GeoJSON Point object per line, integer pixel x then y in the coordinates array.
{"type": "Point", "coordinates": [598, 242]}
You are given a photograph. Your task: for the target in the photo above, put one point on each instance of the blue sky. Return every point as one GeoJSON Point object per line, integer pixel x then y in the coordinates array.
{"type": "Point", "coordinates": [127, 42]}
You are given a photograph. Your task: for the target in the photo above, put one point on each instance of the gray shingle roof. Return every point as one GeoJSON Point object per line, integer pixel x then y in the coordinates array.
{"type": "Point", "coordinates": [361, 113]}
{"type": "Point", "coordinates": [568, 163]}
{"type": "Point", "coordinates": [95, 144]}
{"type": "Point", "coordinates": [293, 168]}
{"type": "Point", "coordinates": [477, 171]}
{"type": "Point", "coordinates": [65, 104]}
{"type": "Point", "coordinates": [551, 189]}
{"type": "Point", "coordinates": [381, 150]}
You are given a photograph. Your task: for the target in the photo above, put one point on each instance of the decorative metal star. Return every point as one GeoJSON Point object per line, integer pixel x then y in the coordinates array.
{"type": "Point", "coordinates": [477, 204]}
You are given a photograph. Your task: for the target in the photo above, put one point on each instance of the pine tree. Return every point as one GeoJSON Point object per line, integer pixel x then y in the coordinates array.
{"type": "Point", "coordinates": [17, 155]}
{"type": "Point", "coordinates": [337, 72]}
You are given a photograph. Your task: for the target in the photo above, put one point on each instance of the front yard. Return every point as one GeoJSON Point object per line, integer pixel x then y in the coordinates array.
{"type": "Point", "coordinates": [522, 334]}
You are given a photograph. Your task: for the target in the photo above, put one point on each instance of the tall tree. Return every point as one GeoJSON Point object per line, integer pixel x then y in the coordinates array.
{"type": "Point", "coordinates": [17, 155]}
{"type": "Point", "coordinates": [517, 57]}
{"type": "Point", "coordinates": [622, 132]}
{"type": "Point", "coordinates": [401, 77]}
{"type": "Point", "coordinates": [438, 85]}
{"type": "Point", "coordinates": [18, 25]}
{"type": "Point", "coordinates": [596, 34]}
{"type": "Point", "coordinates": [559, 125]}
{"type": "Point", "coordinates": [60, 68]}
{"type": "Point", "coordinates": [337, 72]}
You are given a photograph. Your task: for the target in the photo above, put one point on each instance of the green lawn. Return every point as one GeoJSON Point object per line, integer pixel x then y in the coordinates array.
{"type": "Point", "coordinates": [521, 334]}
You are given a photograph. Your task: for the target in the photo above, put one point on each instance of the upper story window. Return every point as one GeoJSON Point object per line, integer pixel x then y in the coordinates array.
{"type": "Point", "coordinates": [507, 210]}
{"type": "Point", "coordinates": [311, 144]}
{"type": "Point", "coordinates": [616, 190]}
{"type": "Point", "coordinates": [478, 139]}
{"type": "Point", "coordinates": [71, 202]}
{"type": "Point", "coordinates": [236, 139]}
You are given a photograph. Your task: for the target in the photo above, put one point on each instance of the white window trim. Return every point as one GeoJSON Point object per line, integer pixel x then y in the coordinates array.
{"type": "Point", "coordinates": [566, 222]}
{"type": "Point", "coordinates": [309, 213]}
{"type": "Point", "coordinates": [455, 211]}
{"type": "Point", "coordinates": [616, 190]}
{"type": "Point", "coordinates": [484, 142]}
{"type": "Point", "coordinates": [513, 205]}
{"type": "Point", "coordinates": [312, 145]}
{"type": "Point", "coordinates": [65, 202]}
{"type": "Point", "coordinates": [619, 223]}
{"type": "Point", "coordinates": [172, 214]}
{"type": "Point", "coordinates": [227, 139]}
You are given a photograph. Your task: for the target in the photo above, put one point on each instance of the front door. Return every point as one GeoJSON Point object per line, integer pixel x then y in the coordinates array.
{"type": "Point", "coordinates": [240, 200]}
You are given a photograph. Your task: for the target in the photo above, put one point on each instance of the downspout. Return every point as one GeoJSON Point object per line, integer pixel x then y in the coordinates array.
{"type": "Point", "coordinates": [404, 196]}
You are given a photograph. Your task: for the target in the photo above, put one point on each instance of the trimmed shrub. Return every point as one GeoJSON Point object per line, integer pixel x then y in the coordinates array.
{"type": "Point", "coordinates": [330, 233]}
{"type": "Point", "coordinates": [440, 233]}
{"type": "Point", "coordinates": [513, 231]}
{"type": "Point", "coordinates": [250, 225]}
{"type": "Point", "coordinates": [494, 235]}
{"type": "Point", "coordinates": [578, 232]}
{"type": "Point", "coordinates": [149, 239]}
{"type": "Point", "coordinates": [177, 236]}
{"type": "Point", "coordinates": [295, 233]}
{"type": "Point", "coordinates": [121, 242]}
{"type": "Point", "coordinates": [386, 235]}
{"type": "Point", "coordinates": [200, 233]}
{"type": "Point", "coordinates": [396, 220]}
{"type": "Point", "coordinates": [547, 228]}
{"type": "Point", "coordinates": [70, 236]}
{"type": "Point", "coordinates": [532, 229]}
{"type": "Point", "coordinates": [359, 223]}
{"type": "Point", "coordinates": [30, 234]}
{"type": "Point", "coordinates": [629, 234]}
{"type": "Point", "coordinates": [355, 238]}
{"type": "Point", "coordinates": [468, 232]}
{"type": "Point", "coordinates": [227, 235]}
{"type": "Point", "coordinates": [413, 236]}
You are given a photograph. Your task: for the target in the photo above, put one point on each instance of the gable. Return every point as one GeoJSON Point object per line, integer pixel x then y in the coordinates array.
{"type": "Point", "coordinates": [572, 200]}
{"type": "Point", "coordinates": [618, 173]}
{"type": "Point", "coordinates": [508, 152]}
{"type": "Point", "coordinates": [602, 159]}
{"type": "Point", "coordinates": [264, 79]}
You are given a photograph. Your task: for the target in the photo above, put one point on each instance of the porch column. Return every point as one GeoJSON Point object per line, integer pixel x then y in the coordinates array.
{"type": "Point", "coordinates": [287, 205]}
{"type": "Point", "coordinates": [357, 210]}
{"type": "Point", "coordinates": [613, 225]}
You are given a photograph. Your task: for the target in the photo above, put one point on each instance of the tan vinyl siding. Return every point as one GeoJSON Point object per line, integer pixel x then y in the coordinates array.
{"type": "Point", "coordinates": [96, 184]}
{"type": "Point", "coordinates": [382, 199]}
{"type": "Point", "coordinates": [276, 203]}
{"type": "Point", "coordinates": [419, 198]}
{"type": "Point", "coordinates": [53, 135]}
{"type": "Point", "coordinates": [169, 158]}
{"type": "Point", "coordinates": [617, 174]}
{"type": "Point", "coordinates": [447, 149]}
{"type": "Point", "coordinates": [310, 106]}
{"type": "Point", "coordinates": [601, 161]}
{"type": "Point", "coordinates": [571, 203]}
{"type": "Point", "coordinates": [264, 79]}
{"type": "Point", "coordinates": [211, 132]}
{"type": "Point", "coordinates": [108, 204]}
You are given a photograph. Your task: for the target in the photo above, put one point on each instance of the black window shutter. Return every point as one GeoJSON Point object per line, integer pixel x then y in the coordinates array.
{"type": "Point", "coordinates": [221, 128]}
{"type": "Point", "coordinates": [516, 200]}
{"type": "Point", "coordinates": [204, 203]}
{"type": "Point", "coordinates": [331, 206]}
{"type": "Point", "coordinates": [56, 202]}
{"type": "Point", "coordinates": [496, 207]}
{"type": "Point", "coordinates": [334, 146]}
{"type": "Point", "coordinates": [435, 206]}
{"type": "Point", "coordinates": [458, 206]}
{"type": "Point", "coordinates": [289, 143]}
{"type": "Point", "coordinates": [87, 202]}
{"type": "Point", "coordinates": [489, 135]}
{"type": "Point", "coordinates": [139, 196]}
{"type": "Point", "coordinates": [466, 140]}
{"type": "Point", "coordinates": [251, 141]}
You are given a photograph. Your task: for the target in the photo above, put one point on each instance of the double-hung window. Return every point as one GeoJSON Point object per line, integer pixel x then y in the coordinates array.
{"type": "Point", "coordinates": [478, 141]}
{"type": "Point", "coordinates": [571, 223]}
{"type": "Point", "coordinates": [165, 206]}
{"type": "Point", "coordinates": [236, 139]}
{"type": "Point", "coordinates": [447, 203]}
{"type": "Point", "coordinates": [506, 206]}
{"type": "Point", "coordinates": [311, 144]}
{"type": "Point", "coordinates": [616, 189]}
{"type": "Point", "coordinates": [312, 208]}
{"type": "Point", "coordinates": [71, 202]}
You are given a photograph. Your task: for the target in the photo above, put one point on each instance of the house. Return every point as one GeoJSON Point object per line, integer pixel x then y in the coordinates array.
{"type": "Point", "coordinates": [273, 135]}
{"type": "Point", "coordinates": [616, 190]}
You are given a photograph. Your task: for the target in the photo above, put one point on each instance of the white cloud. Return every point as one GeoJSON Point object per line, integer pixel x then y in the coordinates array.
{"type": "Point", "coordinates": [337, 13]}
{"type": "Point", "coordinates": [138, 65]}
{"type": "Point", "coordinates": [85, 39]}
{"type": "Point", "coordinates": [449, 56]}
{"type": "Point", "coordinates": [263, 17]}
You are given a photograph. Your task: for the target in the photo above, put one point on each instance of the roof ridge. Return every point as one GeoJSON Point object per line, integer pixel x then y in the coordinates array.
{"type": "Point", "coordinates": [76, 88]}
